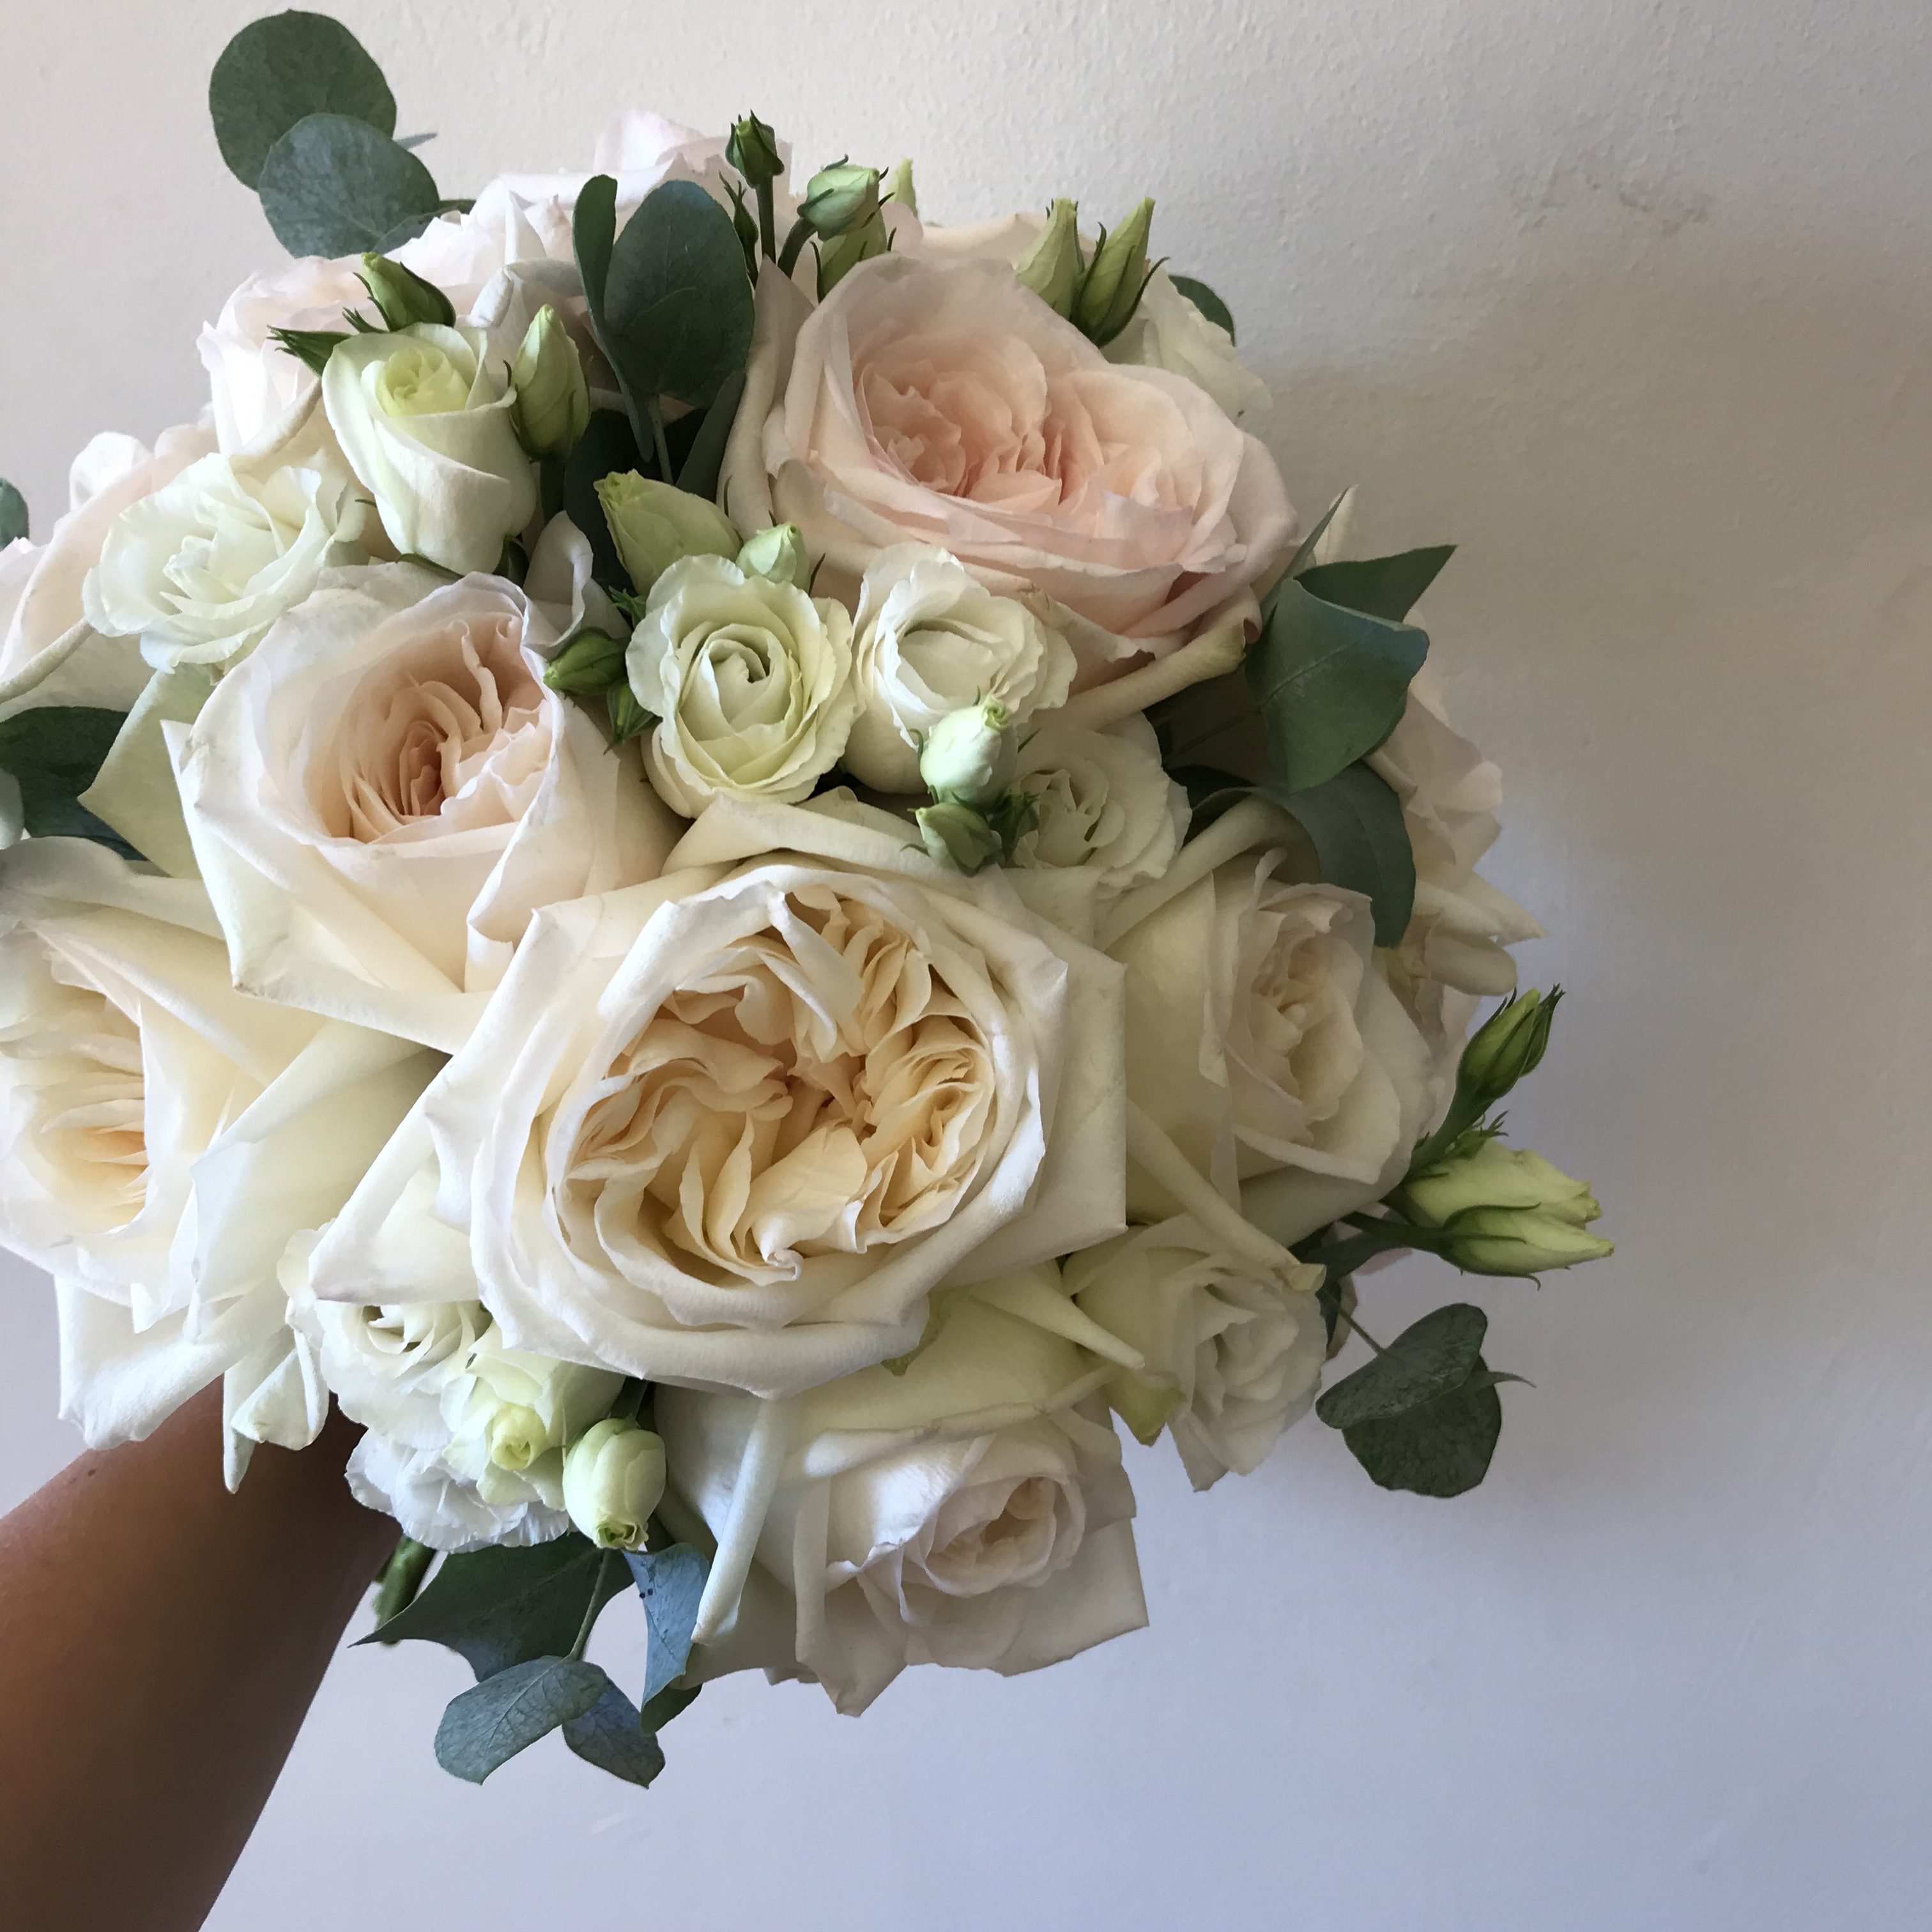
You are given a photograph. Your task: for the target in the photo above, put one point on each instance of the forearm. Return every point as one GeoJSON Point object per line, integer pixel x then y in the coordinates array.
{"type": "Point", "coordinates": [160, 1643]}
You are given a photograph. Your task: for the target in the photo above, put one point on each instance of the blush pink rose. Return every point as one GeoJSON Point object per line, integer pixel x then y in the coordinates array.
{"type": "Point", "coordinates": [944, 402]}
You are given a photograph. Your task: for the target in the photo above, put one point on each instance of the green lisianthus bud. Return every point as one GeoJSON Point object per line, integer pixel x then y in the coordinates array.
{"type": "Point", "coordinates": [613, 1477]}
{"type": "Point", "coordinates": [403, 298]}
{"type": "Point", "coordinates": [969, 756]}
{"type": "Point", "coordinates": [1519, 1241]}
{"type": "Point", "coordinates": [957, 835]}
{"type": "Point", "coordinates": [1052, 267]}
{"type": "Point", "coordinates": [653, 524]}
{"type": "Point", "coordinates": [587, 666]}
{"type": "Point", "coordinates": [897, 187]}
{"type": "Point", "coordinates": [553, 405]}
{"type": "Point", "coordinates": [516, 1437]}
{"type": "Point", "coordinates": [628, 718]}
{"type": "Point", "coordinates": [1118, 273]}
{"type": "Point", "coordinates": [1493, 1175]}
{"type": "Point", "coordinates": [1509, 1046]}
{"type": "Point", "coordinates": [778, 552]}
{"type": "Point", "coordinates": [753, 150]}
{"type": "Point", "coordinates": [839, 256]}
{"type": "Point", "coordinates": [842, 196]}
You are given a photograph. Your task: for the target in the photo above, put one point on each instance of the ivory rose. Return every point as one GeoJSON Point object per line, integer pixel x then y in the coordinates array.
{"type": "Point", "coordinates": [1233, 1349]}
{"type": "Point", "coordinates": [971, 1512]}
{"type": "Point", "coordinates": [1102, 802]}
{"type": "Point", "coordinates": [380, 796]}
{"type": "Point", "coordinates": [728, 1128]}
{"type": "Point", "coordinates": [929, 639]}
{"type": "Point", "coordinates": [465, 1437]}
{"type": "Point", "coordinates": [1264, 1044]}
{"type": "Point", "coordinates": [943, 403]}
{"type": "Point", "coordinates": [750, 681]}
{"type": "Point", "coordinates": [165, 1136]}
{"type": "Point", "coordinates": [425, 417]}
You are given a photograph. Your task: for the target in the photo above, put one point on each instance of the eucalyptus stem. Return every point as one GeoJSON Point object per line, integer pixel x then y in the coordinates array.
{"type": "Point", "coordinates": [656, 414]}
{"type": "Point", "coordinates": [591, 1608]}
{"type": "Point", "coordinates": [1355, 1327]}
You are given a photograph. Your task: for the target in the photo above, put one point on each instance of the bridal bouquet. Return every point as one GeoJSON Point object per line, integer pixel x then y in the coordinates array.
{"type": "Point", "coordinates": [719, 856]}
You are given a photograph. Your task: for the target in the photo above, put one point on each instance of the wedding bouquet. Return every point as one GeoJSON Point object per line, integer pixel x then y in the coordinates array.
{"type": "Point", "coordinates": [718, 856]}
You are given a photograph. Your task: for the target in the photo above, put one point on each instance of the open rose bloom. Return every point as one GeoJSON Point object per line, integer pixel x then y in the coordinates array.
{"type": "Point", "coordinates": [716, 947]}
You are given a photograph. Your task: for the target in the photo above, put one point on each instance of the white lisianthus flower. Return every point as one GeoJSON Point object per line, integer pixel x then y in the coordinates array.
{"type": "Point", "coordinates": [1265, 1046]}
{"type": "Point", "coordinates": [425, 418]}
{"type": "Point", "coordinates": [381, 794]}
{"type": "Point", "coordinates": [730, 1128]}
{"type": "Point", "coordinates": [1168, 332]}
{"type": "Point", "coordinates": [1102, 802]}
{"type": "Point", "coordinates": [751, 682]}
{"type": "Point", "coordinates": [1233, 1350]}
{"type": "Point", "coordinates": [164, 1138]}
{"type": "Point", "coordinates": [256, 386]}
{"type": "Point", "coordinates": [971, 1512]}
{"type": "Point", "coordinates": [200, 569]}
{"type": "Point", "coordinates": [930, 638]}
{"type": "Point", "coordinates": [50, 654]}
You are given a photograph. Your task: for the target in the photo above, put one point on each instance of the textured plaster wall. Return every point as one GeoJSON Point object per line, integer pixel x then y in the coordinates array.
{"type": "Point", "coordinates": [1633, 300]}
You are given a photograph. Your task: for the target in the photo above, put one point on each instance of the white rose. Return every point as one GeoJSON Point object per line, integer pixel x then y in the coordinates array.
{"type": "Point", "coordinates": [1233, 1350]}
{"type": "Point", "coordinates": [200, 569]}
{"type": "Point", "coordinates": [508, 224]}
{"type": "Point", "coordinates": [256, 386]}
{"type": "Point", "coordinates": [466, 1438]}
{"type": "Point", "coordinates": [425, 416]}
{"type": "Point", "coordinates": [943, 403]}
{"type": "Point", "coordinates": [382, 793]}
{"type": "Point", "coordinates": [1102, 802]}
{"type": "Point", "coordinates": [930, 638]}
{"type": "Point", "coordinates": [1168, 332]}
{"type": "Point", "coordinates": [971, 1512]}
{"type": "Point", "coordinates": [1264, 1044]}
{"type": "Point", "coordinates": [751, 682]}
{"type": "Point", "coordinates": [50, 654]}
{"type": "Point", "coordinates": [165, 1136]}
{"type": "Point", "coordinates": [728, 1128]}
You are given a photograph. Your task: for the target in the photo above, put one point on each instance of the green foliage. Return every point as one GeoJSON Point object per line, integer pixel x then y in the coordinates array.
{"type": "Point", "coordinates": [311, 347]}
{"type": "Point", "coordinates": [607, 447]}
{"type": "Point", "coordinates": [1330, 683]}
{"type": "Point", "coordinates": [1206, 300]}
{"type": "Point", "coordinates": [334, 185]}
{"type": "Point", "coordinates": [705, 460]}
{"type": "Point", "coordinates": [671, 1582]}
{"type": "Point", "coordinates": [277, 71]}
{"type": "Point", "coordinates": [507, 1712]}
{"type": "Point", "coordinates": [53, 753]}
{"type": "Point", "coordinates": [502, 1607]}
{"type": "Point", "coordinates": [1354, 822]}
{"type": "Point", "coordinates": [1424, 1414]}
{"type": "Point", "coordinates": [613, 1736]}
{"type": "Point", "coordinates": [401, 1579]}
{"type": "Point", "coordinates": [1387, 587]}
{"type": "Point", "coordinates": [12, 513]}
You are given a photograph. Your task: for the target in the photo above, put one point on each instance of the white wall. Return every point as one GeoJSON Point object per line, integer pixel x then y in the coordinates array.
{"type": "Point", "coordinates": [1633, 300]}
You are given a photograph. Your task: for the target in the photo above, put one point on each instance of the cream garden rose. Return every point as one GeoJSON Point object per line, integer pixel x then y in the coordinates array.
{"type": "Point", "coordinates": [425, 417]}
{"type": "Point", "coordinates": [930, 639]}
{"type": "Point", "coordinates": [381, 795]}
{"type": "Point", "coordinates": [165, 1137]}
{"type": "Point", "coordinates": [971, 1512]}
{"type": "Point", "coordinates": [944, 404]}
{"type": "Point", "coordinates": [199, 570]}
{"type": "Point", "coordinates": [729, 1128]}
{"type": "Point", "coordinates": [1233, 1349]}
{"type": "Point", "coordinates": [1264, 1047]}
{"type": "Point", "coordinates": [750, 681]}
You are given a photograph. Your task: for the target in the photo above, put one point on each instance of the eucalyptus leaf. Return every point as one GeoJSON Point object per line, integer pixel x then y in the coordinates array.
{"type": "Point", "coordinates": [12, 513]}
{"type": "Point", "coordinates": [53, 753]}
{"type": "Point", "coordinates": [503, 1606]}
{"type": "Point", "coordinates": [1427, 1360]}
{"type": "Point", "coordinates": [413, 141]}
{"type": "Point", "coordinates": [675, 316]}
{"type": "Point", "coordinates": [1381, 587]}
{"type": "Point", "coordinates": [507, 1712]}
{"type": "Point", "coordinates": [705, 459]}
{"type": "Point", "coordinates": [672, 1701]}
{"type": "Point", "coordinates": [1303, 558]}
{"type": "Point", "coordinates": [671, 1582]}
{"type": "Point", "coordinates": [611, 1735]}
{"type": "Point", "coordinates": [1206, 300]}
{"type": "Point", "coordinates": [608, 445]}
{"type": "Point", "coordinates": [1354, 822]}
{"type": "Point", "coordinates": [594, 233]}
{"type": "Point", "coordinates": [411, 226]}
{"type": "Point", "coordinates": [1330, 683]}
{"type": "Point", "coordinates": [334, 185]}
{"type": "Point", "coordinates": [1438, 1448]}
{"type": "Point", "coordinates": [279, 70]}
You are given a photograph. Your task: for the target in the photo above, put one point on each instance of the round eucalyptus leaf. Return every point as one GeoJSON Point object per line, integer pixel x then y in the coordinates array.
{"type": "Point", "coordinates": [279, 70]}
{"type": "Point", "coordinates": [332, 185]}
{"type": "Point", "coordinates": [12, 513]}
{"type": "Point", "coordinates": [1206, 300]}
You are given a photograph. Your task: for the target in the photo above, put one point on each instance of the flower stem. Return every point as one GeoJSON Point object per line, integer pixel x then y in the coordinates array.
{"type": "Point", "coordinates": [768, 221]}
{"type": "Point", "coordinates": [656, 414]}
